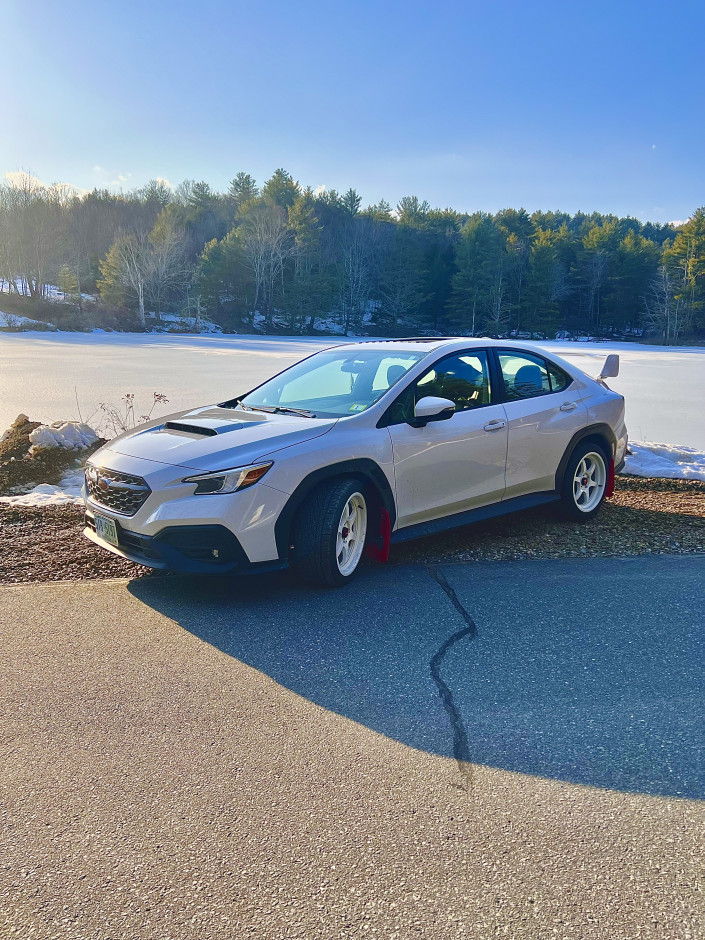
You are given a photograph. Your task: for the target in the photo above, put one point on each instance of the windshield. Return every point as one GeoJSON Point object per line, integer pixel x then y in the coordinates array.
{"type": "Point", "coordinates": [333, 384]}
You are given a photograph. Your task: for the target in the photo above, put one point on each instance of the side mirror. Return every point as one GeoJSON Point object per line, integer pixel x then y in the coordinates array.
{"type": "Point", "coordinates": [431, 408]}
{"type": "Point", "coordinates": [611, 367]}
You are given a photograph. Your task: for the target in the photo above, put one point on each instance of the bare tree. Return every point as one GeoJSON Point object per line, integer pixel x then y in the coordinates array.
{"type": "Point", "coordinates": [149, 268]}
{"type": "Point", "coordinates": [133, 267]}
{"type": "Point", "coordinates": [32, 217]}
{"type": "Point", "coordinates": [165, 267]}
{"type": "Point", "coordinates": [267, 243]}
{"type": "Point", "coordinates": [497, 314]}
{"type": "Point", "coordinates": [597, 272]}
{"type": "Point", "coordinates": [663, 309]}
{"type": "Point", "coordinates": [519, 252]}
{"type": "Point", "coordinates": [356, 253]}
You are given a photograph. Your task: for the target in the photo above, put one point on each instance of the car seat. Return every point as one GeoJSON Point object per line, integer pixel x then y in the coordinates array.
{"type": "Point", "coordinates": [528, 382]}
{"type": "Point", "coordinates": [394, 373]}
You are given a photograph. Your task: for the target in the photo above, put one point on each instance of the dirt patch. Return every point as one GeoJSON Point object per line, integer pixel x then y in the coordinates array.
{"type": "Point", "coordinates": [47, 544]}
{"type": "Point", "coordinates": [644, 517]}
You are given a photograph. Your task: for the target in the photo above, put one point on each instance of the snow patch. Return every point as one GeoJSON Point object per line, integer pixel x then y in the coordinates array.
{"type": "Point", "coordinates": [14, 321]}
{"type": "Point", "coordinates": [665, 460]}
{"type": "Point", "coordinates": [70, 435]}
{"type": "Point", "coordinates": [51, 291]}
{"type": "Point", "coordinates": [178, 322]}
{"type": "Point", "coordinates": [68, 492]}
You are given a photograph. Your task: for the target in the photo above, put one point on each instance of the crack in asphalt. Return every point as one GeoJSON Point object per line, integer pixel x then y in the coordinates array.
{"type": "Point", "coordinates": [461, 748]}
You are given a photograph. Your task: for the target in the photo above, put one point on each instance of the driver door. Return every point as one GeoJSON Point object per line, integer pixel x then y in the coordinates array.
{"type": "Point", "coordinates": [454, 465]}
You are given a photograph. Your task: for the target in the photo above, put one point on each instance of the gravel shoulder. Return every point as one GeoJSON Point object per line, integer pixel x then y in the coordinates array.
{"type": "Point", "coordinates": [646, 516]}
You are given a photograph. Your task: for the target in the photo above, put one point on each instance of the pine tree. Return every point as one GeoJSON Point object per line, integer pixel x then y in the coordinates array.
{"type": "Point", "coordinates": [410, 211]}
{"type": "Point", "coordinates": [401, 282]}
{"type": "Point", "coordinates": [350, 201]}
{"type": "Point", "coordinates": [685, 263]}
{"type": "Point", "coordinates": [281, 189]}
{"type": "Point", "coordinates": [224, 280]}
{"type": "Point", "coordinates": [242, 188]}
{"type": "Point", "coordinates": [479, 299]}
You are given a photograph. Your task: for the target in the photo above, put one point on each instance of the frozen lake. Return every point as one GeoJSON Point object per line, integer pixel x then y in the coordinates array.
{"type": "Point", "coordinates": [664, 387]}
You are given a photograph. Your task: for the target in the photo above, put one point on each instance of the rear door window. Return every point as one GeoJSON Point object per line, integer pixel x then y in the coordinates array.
{"type": "Point", "coordinates": [529, 376]}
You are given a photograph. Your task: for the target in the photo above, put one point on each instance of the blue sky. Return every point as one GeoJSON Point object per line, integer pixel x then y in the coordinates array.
{"type": "Point", "coordinates": [475, 105]}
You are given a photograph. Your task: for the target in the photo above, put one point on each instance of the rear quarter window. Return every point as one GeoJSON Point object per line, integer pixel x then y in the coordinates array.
{"type": "Point", "coordinates": [559, 378]}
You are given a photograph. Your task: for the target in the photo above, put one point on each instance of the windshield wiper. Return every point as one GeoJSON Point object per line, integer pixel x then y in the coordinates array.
{"type": "Point", "coordinates": [241, 404]}
{"type": "Point", "coordinates": [278, 410]}
{"type": "Point", "coordinates": [294, 411]}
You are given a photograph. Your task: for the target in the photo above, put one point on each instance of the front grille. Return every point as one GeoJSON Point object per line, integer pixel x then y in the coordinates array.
{"type": "Point", "coordinates": [121, 492]}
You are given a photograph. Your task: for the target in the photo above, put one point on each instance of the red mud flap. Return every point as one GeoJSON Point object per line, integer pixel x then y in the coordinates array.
{"type": "Point", "coordinates": [378, 548]}
{"type": "Point", "coordinates": [609, 489]}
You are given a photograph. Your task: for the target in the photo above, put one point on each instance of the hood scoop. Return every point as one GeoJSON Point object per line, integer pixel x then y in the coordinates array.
{"type": "Point", "coordinates": [189, 428]}
{"type": "Point", "coordinates": [209, 425]}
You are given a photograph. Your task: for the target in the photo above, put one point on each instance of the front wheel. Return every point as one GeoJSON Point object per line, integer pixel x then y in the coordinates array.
{"type": "Point", "coordinates": [585, 482]}
{"type": "Point", "coordinates": [329, 533]}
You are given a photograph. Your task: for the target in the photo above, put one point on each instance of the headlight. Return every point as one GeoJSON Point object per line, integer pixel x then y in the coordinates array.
{"type": "Point", "coordinates": [228, 481]}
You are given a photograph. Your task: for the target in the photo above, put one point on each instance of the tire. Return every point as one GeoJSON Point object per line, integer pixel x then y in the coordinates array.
{"type": "Point", "coordinates": [329, 533]}
{"type": "Point", "coordinates": [585, 481]}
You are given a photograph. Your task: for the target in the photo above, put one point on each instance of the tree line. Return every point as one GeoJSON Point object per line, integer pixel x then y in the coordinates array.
{"type": "Point", "coordinates": [283, 258]}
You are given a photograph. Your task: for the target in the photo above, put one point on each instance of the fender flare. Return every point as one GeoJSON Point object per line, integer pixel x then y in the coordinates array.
{"type": "Point", "coordinates": [363, 468]}
{"type": "Point", "coordinates": [601, 432]}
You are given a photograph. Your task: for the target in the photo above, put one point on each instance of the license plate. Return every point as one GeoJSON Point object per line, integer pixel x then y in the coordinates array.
{"type": "Point", "coordinates": [106, 529]}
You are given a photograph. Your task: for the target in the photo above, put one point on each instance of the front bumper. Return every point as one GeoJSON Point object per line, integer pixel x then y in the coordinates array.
{"type": "Point", "coordinates": [189, 549]}
{"type": "Point", "coordinates": [249, 516]}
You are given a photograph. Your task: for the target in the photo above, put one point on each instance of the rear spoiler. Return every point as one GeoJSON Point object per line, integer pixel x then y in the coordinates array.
{"type": "Point", "coordinates": [610, 368]}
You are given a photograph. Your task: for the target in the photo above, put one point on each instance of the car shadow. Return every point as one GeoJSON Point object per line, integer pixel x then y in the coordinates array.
{"type": "Point", "coordinates": [588, 671]}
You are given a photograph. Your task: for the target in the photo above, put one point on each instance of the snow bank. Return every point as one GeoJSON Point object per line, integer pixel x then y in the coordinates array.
{"type": "Point", "coordinates": [68, 492]}
{"type": "Point", "coordinates": [665, 460]}
{"type": "Point", "coordinates": [15, 321]}
{"type": "Point", "coordinates": [202, 325]}
{"type": "Point", "coordinates": [70, 435]}
{"type": "Point", "coordinates": [51, 291]}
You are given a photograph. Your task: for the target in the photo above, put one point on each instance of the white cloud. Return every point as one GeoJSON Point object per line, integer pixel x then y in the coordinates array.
{"type": "Point", "coordinates": [20, 178]}
{"type": "Point", "coordinates": [165, 182]}
{"type": "Point", "coordinates": [319, 190]}
{"type": "Point", "coordinates": [678, 222]}
{"type": "Point", "coordinates": [98, 169]}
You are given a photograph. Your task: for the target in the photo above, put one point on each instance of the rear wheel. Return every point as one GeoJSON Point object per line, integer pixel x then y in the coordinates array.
{"type": "Point", "coordinates": [329, 533]}
{"type": "Point", "coordinates": [585, 481]}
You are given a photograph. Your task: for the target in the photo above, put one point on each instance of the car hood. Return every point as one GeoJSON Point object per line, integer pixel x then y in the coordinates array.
{"type": "Point", "coordinates": [215, 438]}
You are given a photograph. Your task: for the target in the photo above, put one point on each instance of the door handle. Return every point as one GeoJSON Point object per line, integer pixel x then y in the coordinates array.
{"type": "Point", "coordinates": [569, 406]}
{"type": "Point", "coordinates": [495, 425]}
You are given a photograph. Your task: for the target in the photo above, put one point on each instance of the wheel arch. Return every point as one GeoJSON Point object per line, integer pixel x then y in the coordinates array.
{"type": "Point", "coordinates": [367, 471]}
{"type": "Point", "coordinates": [601, 434]}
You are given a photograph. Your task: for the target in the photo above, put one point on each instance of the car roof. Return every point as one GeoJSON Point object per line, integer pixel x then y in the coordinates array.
{"type": "Point", "coordinates": [427, 344]}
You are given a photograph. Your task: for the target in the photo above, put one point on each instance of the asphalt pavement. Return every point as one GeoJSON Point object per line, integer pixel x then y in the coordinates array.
{"type": "Point", "coordinates": [486, 750]}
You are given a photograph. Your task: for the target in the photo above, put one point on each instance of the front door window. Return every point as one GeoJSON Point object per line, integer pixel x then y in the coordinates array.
{"type": "Point", "coordinates": [464, 379]}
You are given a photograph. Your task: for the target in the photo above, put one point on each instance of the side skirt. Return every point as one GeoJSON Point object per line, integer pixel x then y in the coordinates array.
{"type": "Point", "coordinates": [502, 508]}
